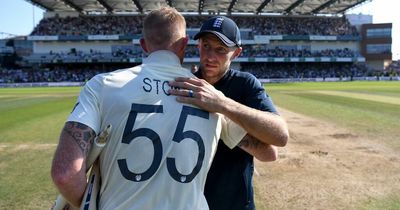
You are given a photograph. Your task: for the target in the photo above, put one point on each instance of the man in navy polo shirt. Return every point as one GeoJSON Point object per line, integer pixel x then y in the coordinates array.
{"type": "Point", "coordinates": [240, 97]}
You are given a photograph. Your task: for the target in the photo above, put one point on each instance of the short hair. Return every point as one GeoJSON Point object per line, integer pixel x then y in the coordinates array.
{"type": "Point", "coordinates": [163, 27]}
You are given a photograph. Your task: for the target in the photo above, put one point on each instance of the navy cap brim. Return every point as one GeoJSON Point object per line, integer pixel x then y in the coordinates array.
{"type": "Point", "coordinates": [222, 37]}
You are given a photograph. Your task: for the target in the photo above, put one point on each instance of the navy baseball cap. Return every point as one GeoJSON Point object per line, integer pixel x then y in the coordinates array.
{"type": "Point", "coordinates": [224, 28]}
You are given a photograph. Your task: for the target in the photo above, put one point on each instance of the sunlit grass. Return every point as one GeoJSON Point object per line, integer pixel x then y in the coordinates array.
{"type": "Point", "coordinates": [373, 118]}
{"type": "Point", "coordinates": [31, 120]}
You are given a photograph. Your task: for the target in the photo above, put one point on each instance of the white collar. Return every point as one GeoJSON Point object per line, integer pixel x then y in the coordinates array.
{"type": "Point", "coordinates": [162, 56]}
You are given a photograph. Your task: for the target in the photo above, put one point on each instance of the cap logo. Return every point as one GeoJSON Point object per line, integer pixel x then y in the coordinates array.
{"type": "Point", "coordinates": [218, 22]}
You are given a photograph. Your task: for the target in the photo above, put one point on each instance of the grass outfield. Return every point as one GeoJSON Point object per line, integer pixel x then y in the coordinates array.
{"type": "Point", "coordinates": [30, 122]}
{"type": "Point", "coordinates": [31, 119]}
{"type": "Point", "coordinates": [369, 108]}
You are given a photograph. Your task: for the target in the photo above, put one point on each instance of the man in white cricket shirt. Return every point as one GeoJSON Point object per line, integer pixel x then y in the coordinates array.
{"type": "Point", "coordinates": [159, 151]}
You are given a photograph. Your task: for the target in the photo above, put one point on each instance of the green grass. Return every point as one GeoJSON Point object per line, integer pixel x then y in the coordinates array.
{"type": "Point", "coordinates": [24, 178]}
{"type": "Point", "coordinates": [30, 123]}
{"type": "Point", "coordinates": [34, 115]}
{"type": "Point", "coordinates": [367, 113]}
{"type": "Point", "coordinates": [389, 202]}
{"type": "Point", "coordinates": [31, 120]}
{"type": "Point", "coordinates": [371, 109]}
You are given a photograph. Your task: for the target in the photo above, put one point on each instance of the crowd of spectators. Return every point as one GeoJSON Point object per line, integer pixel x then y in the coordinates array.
{"type": "Point", "coordinates": [131, 25]}
{"type": "Point", "coordinates": [56, 74]}
{"type": "Point", "coordinates": [393, 69]}
{"type": "Point", "coordinates": [127, 52]}
{"type": "Point", "coordinates": [260, 25]}
{"type": "Point", "coordinates": [254, 51]}
{"type": "Point", "coordinates": [89, 25]}
{"type": "Point", "coordinates": [64, 73]}
{"type": "Point", "coordinates": [289, 25]}
{"type": "Point", "coordinates": [305, 70]}
{"type": "Point", "coordinates": [191, 52]}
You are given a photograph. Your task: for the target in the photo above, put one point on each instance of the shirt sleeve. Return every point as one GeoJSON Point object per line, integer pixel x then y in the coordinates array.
{"type": "Point", "coordinates": [257, 97]}
{"type": "Point", "coordinates": [87, 108]}
{"type": "Point", "coordinates": [232, 133]}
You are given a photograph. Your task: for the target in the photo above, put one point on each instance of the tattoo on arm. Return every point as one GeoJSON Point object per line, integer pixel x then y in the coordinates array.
{"type": "Point", "coordinates": [249, 142]}
{"type": "Point", "coordinates": [82, 134]}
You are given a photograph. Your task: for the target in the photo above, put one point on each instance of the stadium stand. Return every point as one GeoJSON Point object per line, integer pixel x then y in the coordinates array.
{"type": "Point", "coordinates": [297, 44]}
{"type": "Point", "coordinates": [131, 25]}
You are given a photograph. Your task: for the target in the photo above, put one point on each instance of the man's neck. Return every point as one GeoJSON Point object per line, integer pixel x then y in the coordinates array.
{"type": "Point", "coordinates": [212, 80]}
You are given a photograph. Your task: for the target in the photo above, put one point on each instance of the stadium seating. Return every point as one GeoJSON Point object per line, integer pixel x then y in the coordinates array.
{"type": "Point", "coordinates": [291, 47]}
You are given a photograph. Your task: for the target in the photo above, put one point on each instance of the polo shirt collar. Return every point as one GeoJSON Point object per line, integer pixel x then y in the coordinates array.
{"type": "Point", "coordinates": [221, 81]}
{"type": "Point", "coordinates": [164, 57]}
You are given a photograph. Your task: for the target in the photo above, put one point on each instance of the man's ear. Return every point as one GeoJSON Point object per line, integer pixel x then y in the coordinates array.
{"type": "Point", "coordinates": [143, 45]}
{"type": "Point", "coordinates": [181, 44]}
{"type": "Point", "coordinates": [236, 53]}
{"type": "Point", "coordinates": [185, 41]}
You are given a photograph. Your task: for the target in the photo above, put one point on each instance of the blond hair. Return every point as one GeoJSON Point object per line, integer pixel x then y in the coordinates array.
{"type": "Point", "coordinates": [163, 27]}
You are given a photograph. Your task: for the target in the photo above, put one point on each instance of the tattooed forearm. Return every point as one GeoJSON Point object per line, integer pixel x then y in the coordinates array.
{"type": "Point", "coordinates": [249, 142]}
{"type": "Point", "coordinates": [261, 151]}
{"type": "Point", "coordinates": [82, 134]}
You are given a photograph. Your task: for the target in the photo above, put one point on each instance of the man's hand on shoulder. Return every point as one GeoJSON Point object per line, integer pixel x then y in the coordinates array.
{"type": "Point", "coordinates": [198, 92]}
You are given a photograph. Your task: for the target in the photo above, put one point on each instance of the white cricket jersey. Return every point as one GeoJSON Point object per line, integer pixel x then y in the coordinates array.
{"type": "Point", "coordinates": [159, 151]}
